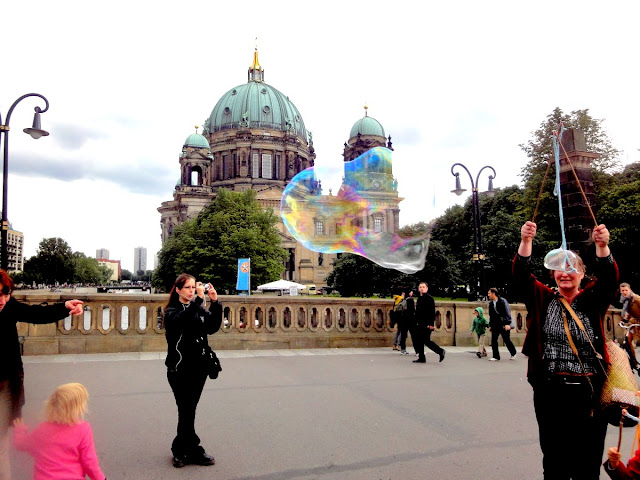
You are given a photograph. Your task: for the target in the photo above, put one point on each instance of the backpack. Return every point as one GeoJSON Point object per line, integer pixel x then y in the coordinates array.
{"type": "Point", "coordinates": [398, 310]}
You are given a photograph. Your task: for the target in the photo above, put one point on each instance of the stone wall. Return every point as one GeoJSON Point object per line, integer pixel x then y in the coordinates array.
{"type": "Point", "coordinates": [134, 323]}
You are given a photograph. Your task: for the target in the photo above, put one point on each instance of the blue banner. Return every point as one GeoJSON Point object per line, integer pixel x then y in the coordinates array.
{"type": "Point", "coordinates": [244, 271]}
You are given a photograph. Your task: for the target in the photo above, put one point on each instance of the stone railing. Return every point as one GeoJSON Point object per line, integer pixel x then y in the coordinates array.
{"type": "Point", "coordinates": [134, 323]}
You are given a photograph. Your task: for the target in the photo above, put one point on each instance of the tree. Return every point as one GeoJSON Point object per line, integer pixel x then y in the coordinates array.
{"type": "Point", "coordinates": [52, 263]}
{"type": "Point", "coordinates": [539, 149]}
{"type": "Point", "coordinates": [88, 270]}
{"type": "Point", "coordinates": [619, 210]}
{"type": "Point", "coordinates": [208, 247]}
{"type": "Point", "coordinates": [126, 275]}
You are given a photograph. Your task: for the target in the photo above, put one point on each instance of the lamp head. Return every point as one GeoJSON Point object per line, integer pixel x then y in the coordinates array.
{"type": "Point", "coordinates": [459, 190]}
{"type": "Point", "coordinates": [35, 131]}
{"type": "Point", "coordinates": [491, 191]}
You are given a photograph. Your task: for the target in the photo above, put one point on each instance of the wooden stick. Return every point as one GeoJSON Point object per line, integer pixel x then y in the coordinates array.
{"type": "Point", "coordinates": [620, 431]}
{"type": "Point", "coordinates": [535, 212]}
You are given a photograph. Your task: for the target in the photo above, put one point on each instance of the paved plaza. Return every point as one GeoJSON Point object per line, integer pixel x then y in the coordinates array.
{"type": "Point", "coordinates": [358, 414]}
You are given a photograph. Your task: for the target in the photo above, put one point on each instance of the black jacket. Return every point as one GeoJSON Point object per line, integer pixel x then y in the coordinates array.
{"type": "Point", "coordinates": [11, 368]}
{"type": "Point", "coordinates": [425, 311]}
{"type": "Point", "coordinates": [500, 315]}
{"type": "Point", "coordinates": [186, 329]}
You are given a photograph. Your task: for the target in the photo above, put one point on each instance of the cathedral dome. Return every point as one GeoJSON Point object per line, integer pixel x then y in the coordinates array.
{"type": "Point", "coordinates": [255, 105]}
{"type": "Point", "coordinates": [367, 126]}
{"type": "Point", "coordinates": [195, 140]}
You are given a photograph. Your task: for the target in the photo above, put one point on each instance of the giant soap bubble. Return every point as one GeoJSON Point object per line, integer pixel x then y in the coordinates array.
{"type": "Point", "coordinates": [359, 218]}
{"type": "Point", "coordinates": [561, 260]}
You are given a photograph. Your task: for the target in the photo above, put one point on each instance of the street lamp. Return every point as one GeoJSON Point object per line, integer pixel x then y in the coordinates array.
{"type": "Point", "coordinates": [36, 132]}
{"type": "Point", "coordinates": [478, 253]}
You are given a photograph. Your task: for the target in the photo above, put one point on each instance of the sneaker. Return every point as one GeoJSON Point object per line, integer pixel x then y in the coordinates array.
{"type": "Point", "coordinates": [420, 360]}
{"type": "Point", "coordinates": [513, 357]}
{"type": "Point", "coordinates": [494, 359]}
{"type": "Point", "coordinates": [442, 355]}
{"type": "Point", "coordinates": [404, 352]}
{"type": "Point", "coordinates": [203, 459]}
{"type": "Point", "coordinates": [395, 347]}
{"type": "Point", "coordinates": [179, 462]}
{"type": "Point", "coordinates": [479, 354]}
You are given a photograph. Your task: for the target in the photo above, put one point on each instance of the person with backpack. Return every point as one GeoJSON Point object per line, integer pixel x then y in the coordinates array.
{"type": "Point", "coordinates": [500, 324]}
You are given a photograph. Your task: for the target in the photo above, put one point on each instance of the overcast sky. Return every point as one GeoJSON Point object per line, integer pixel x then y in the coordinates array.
{"type": "Point", "coordinates": [457, 81]}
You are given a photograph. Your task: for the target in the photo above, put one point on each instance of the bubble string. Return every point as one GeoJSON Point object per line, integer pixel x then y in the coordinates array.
{"type": "Point", "coordinates": [557, 137]}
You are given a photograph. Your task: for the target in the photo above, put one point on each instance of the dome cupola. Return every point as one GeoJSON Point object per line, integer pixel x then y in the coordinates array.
{"type": "Point", "coordinates": [195, 140]}
{"type": "Point", "coordinates": [367, 126]}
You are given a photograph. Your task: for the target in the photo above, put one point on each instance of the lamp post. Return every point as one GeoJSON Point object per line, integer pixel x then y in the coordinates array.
{"type": "Point", "coordinates": [36, 132]}
{"type": "Point", "coordinates": [478, 253]}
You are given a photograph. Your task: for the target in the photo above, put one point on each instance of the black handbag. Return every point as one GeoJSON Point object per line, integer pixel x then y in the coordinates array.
{"type": "Point", "coordinates": [214, 365]}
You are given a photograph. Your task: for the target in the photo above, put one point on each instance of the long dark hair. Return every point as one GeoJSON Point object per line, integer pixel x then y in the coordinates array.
{"type": "Point", "coordinates": [179, 283]}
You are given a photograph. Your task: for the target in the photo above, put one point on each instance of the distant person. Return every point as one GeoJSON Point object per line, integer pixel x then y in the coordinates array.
{"type": "Point", "coordinates": [399, 305]}
{"type": "Point", "coordinates": [631, 315]}
{"type": "Point", "coordinates": [425, 318]}
{"type": "Point", "coordinates": [11, 369]}
{"type": "Point", "coordinates": [407, 320]}
{"type": "Point", "coordinates": [479, 326]}
{"type": "Point", "coordinates": [61, 446]}
{"type": "Point", "coordinates": [187, 324]}
{"type": "Point", "coordinates": [500, 324]}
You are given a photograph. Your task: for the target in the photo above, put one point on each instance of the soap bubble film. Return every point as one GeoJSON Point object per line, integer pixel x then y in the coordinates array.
{"type": "Point", "coordinates": [561, 260]}
{"type": "Point", "coordinates": [327, 221]}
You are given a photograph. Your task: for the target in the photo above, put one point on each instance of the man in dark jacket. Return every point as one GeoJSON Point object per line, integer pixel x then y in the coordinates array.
{"type": "Point", "coordinates": [500, 324]}
{"type": "Point", "coordinates": [425, 317]}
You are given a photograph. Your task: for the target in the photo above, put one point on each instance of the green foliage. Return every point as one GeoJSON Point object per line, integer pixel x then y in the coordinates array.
{"type": "Point", "coordinates": [88, 270]}
{"type": "Point", "coordinates": [208, 247]}
{"type": "Point", "coordinates": [619, 210]}
{"type": "Point", "coordinates": [52, 263]}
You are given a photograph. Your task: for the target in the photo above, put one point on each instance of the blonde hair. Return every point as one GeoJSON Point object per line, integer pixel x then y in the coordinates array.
{"type": "Point", "coordinates": [67, 404]}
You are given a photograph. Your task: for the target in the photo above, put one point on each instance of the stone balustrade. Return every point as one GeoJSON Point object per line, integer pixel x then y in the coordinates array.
{"type": "Point", "coordinates": [134, 323]}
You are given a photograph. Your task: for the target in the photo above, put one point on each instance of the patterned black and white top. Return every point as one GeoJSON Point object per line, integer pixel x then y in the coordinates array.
{"type": "Point", "coordinates": [557, 354]}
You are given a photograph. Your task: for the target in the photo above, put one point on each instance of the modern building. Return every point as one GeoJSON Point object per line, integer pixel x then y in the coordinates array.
{"type": "Point", "coordinates": [139, 260]}
{"type": "Point", "coordinates": [114, 265]}
{"type": "Point", "coordinates": [15, 250]}
{"type": "Point", "coordinates": [102, 253]}
{"type": "Point", "coordinates": [255, 138]}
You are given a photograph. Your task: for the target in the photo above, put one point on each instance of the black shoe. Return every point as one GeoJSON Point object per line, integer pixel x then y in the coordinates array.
{"type": "Point", "coordinates": [442, 355]}
{"type": "Point", "coordinates": [420, 360]}
{"type": "Point", "coordinates": [202, 459]}
{"type": "Point", "coordinates": [179, 462]}
{"type": "Point", "coordinates": [479, 354]}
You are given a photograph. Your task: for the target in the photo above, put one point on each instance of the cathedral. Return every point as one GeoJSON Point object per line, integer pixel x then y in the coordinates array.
{"type": "Point", "coordinates": [256, 138]}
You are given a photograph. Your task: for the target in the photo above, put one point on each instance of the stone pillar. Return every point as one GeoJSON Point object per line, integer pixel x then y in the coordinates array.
{"type": "Point", "coordinates": [577, 218]}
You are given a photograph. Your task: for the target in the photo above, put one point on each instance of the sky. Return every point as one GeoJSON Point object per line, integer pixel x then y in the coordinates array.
{"type": "Point", "coordinates": [457, 81]}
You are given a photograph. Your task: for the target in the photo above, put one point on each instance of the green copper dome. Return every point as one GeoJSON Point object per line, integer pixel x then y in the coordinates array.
{"type": "Point", "coordinates": [256, 105]}
{"type": "Point", "coordinates": [367, 126]}
{"type": "Point", "coordinates": [196, 140]}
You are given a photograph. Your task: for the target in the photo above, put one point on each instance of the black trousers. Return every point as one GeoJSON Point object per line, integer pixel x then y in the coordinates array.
{"type": "Point", "coordinates": [403, 325]}
{"type": "Point", "coordinates": [572, 433]}
{"type": "Point", "coordinates": [187, 388]}
{"type": "Point", "coordinates": [424, 338]}
{"type": "Point", "coordinates": [506, 338]}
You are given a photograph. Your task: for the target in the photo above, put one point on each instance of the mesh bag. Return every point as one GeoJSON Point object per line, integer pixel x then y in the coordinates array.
{"type": "Point", "coordinates": [619, 389]}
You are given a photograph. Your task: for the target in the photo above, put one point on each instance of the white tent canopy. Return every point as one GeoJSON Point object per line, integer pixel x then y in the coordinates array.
{"type": "Point", "coordinates": [281, 285]}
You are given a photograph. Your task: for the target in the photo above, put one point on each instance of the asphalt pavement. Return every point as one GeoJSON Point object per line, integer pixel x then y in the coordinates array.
{"type": "Point", "coordinates": [326, 414]}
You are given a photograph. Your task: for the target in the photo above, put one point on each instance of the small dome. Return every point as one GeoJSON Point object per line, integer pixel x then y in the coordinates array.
{"type": "Point", "coordinates": [367, 126]}
{"type": "Point", "coordinates": [195, 140]}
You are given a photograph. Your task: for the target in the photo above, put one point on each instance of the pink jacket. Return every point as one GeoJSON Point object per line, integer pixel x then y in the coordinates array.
{"type": "Point", "coordinates": [61, 452]}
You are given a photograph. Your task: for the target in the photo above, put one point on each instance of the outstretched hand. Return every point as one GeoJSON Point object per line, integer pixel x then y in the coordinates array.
{"type": "Point", "coordinates": [74, 307]}
{"type": "Point", "coordinates": [601, 239]}
{"type": "Point", "coordinates": [527, 233]}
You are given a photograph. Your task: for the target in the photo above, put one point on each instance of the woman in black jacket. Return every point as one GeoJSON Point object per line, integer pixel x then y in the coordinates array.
{"type": "Point", "coordinates": [187, 324]}
{"type": "Point", "coordinates": [11, 369]}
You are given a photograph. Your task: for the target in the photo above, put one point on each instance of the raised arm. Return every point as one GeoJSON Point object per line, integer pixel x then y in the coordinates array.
{"type": "Point", "coordinates": [527, 233]}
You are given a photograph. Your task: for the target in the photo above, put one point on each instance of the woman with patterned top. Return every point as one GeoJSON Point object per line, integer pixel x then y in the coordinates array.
{"type": "Point", "coordinates": [566, 389]}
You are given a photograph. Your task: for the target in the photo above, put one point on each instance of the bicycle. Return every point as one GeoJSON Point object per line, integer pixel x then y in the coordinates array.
{"type": "Point", "coordinates": [628, 347]}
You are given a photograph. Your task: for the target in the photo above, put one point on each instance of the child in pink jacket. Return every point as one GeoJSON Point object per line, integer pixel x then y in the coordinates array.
{"type": "Point", "coordinates": [62, 446]}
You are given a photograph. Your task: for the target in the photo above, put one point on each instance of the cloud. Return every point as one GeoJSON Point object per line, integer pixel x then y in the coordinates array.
{"type": "Point", "coordinates": [143, 176]}
{"type": "Point", "coordinates": [73, 137]}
